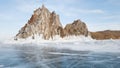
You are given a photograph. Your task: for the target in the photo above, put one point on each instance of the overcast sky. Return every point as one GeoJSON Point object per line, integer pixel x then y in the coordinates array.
{"type": "Point", "coordinates": [97, 14]}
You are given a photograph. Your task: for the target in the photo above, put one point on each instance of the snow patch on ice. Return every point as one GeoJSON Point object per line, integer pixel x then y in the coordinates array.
{"type": "Point", "coordinates": [59, 53]}
{"type": "Point", "coordinates": [38, 39]}
{"type": "Point", "coordinates": [1, 66]}
{"type": "Point", "coordinates": [78, 43]}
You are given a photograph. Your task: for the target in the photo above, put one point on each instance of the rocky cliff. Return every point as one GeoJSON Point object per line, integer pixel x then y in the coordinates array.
{"type": "Point", "coordinates": [107, 34]}
{"type": "Point", "coordinates": [46, 23]}
{"type": "Point", "coordinates": [76, 28]}
{"type": "Point", "coordinates": [43, 22]}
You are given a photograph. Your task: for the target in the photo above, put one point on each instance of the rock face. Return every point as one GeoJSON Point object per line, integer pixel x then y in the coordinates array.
{"type": "Point", "coordinates": [47, 24]}
{"type": "Point", "coordinates": [102, 35]}
{"type": "Point", "coordinates": [42, 22]}
{"type": "Point", "coordinates": [76, 28]}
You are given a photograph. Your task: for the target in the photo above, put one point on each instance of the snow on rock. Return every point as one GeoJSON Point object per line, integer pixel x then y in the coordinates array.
{"type": "Point", "coordinates": [56, 39]}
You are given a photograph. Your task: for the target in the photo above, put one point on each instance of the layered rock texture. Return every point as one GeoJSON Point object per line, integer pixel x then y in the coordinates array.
{"type": "Point", "coordinates": [107, 34]}
{"type": "Point", "coordinates": [76, 28]}
{"type": "Point", "coordinates": [47, 24]}
{"type": "Point", "coordinates": [42, 22]}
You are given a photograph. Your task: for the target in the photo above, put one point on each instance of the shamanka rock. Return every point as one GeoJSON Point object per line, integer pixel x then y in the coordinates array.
{"type": "Point", "coordinates": [46, 23]}
{"type": "Point", "coordinates": [42, 22]}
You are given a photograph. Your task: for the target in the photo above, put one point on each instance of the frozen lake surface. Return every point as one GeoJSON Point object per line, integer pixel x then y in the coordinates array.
{"type": "Point", "coordinates": [91, 54]}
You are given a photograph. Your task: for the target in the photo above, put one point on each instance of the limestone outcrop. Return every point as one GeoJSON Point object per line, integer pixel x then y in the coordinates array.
{"type": "Point", "coordinates": [47, 24]}
{"type": "Point", "coordinates": [76, 28]}
{"type": "Point", "coordinates": [43, 22]}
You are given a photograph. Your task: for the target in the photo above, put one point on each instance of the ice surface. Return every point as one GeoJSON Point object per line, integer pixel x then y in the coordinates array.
{"type": "Point", "coordinates": [79, 43]}
{"type": "Point", "coordinates": [70, 52]}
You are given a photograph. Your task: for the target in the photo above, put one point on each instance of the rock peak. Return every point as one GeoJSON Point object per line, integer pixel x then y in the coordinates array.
{"type": "Point", "coordinates": [76, 28]}
{"type": "Point", "coordinates": [43, 6]}
{"type": "Point", "coordinates": [42, 22]}
{"type": "Point", "coordinates": [46, 23]}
